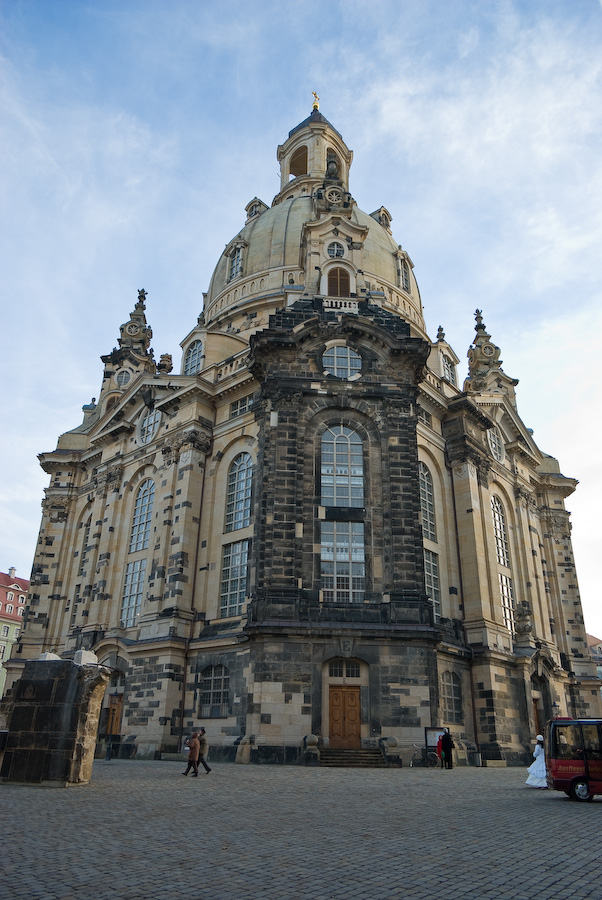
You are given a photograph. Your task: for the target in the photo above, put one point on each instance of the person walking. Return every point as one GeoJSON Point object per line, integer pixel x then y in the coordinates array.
{"type": "Point", "coordinates": [440, 749]}
{"type": "Point", "coordinates": [447, 745]}
{"type": "Point", "coordinates": [194, 749]}
{"type": "Point", "coordinates": [537, 770]}
{"type": "Point", "coordinates": [204, 747]}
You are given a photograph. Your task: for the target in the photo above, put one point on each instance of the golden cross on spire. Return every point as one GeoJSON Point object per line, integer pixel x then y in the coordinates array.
{"type": "Point", "coordinates": [316, 103]}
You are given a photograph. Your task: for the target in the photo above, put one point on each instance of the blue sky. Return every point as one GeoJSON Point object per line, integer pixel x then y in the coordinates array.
{"type": "Point", "coordinates": [134, 134]}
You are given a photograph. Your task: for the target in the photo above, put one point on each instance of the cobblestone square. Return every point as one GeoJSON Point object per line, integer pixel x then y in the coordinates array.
{"type": "Point", "coordinates": [141, 831]}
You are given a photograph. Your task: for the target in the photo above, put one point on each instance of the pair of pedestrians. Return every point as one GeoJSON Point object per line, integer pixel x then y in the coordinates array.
{"type": "Point", "coordinates": [197, 750]}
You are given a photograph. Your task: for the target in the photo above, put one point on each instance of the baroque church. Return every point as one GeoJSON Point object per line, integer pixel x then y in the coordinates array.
{"type": "Point", "coordinates": [311, 528]}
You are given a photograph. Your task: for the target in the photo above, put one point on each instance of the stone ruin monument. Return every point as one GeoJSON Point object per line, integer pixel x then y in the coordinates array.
{"type": "Point", "coordinates": [52, 721]}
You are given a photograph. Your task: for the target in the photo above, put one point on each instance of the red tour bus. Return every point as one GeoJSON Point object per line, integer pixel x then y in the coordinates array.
{"type": "Point", "coordinates": [574, 757]}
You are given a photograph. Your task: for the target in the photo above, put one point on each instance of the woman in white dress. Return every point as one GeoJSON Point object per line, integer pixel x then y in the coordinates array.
{"type": "Point", "coordinates": [537, 769]}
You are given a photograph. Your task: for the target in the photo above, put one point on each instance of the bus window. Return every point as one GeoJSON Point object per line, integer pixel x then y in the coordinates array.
{"type": "Point", "coordinates": [567, 742]}
{"type": "Point", "coordinates": [591, 741]}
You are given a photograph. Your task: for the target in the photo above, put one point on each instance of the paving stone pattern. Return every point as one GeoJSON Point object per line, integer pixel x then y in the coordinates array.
{"type": "Point", "coordinates": [140, 831]}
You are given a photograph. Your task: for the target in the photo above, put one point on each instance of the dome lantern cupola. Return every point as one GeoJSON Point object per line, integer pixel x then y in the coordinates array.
{"type": "Point", "coordinates": [314, 153]}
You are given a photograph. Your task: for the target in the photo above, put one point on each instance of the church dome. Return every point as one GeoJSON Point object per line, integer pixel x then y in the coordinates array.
{"type": "Point", "coordinates": [313, 241]}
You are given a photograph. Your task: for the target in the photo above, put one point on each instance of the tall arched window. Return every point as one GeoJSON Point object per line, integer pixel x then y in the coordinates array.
{"type": "Point", "coordinates": [451, 698]}
{"type": "Point", "coordinates": [238, 502]}
{"type": "Point", "coordinates": [299, 162]}
{"type": "Point", "coordinates": [427, 505]}
{"type": "Point", "coordinates": [449, 370]}
{"type": "Point", "coordinates": [192, 362]}
{"type": "Point", "coordinates": [215, 691]}
{"type": "Point", "coordinates": [142, 516]}
{"type": "Point", "coordinates": [503, 559]}
{"type": "Point", "coordinates": [84, 549]}
{"type": "Point", "coordinates": [342, 467]}
{"type": "Point", "coordinates": [405, 276]}
{"type": "Point", "coordinates": [339, 284]}
{"type": "Point", "coordinates": [499, 530]}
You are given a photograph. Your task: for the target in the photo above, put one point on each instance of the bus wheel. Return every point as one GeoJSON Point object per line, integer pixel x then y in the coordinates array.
{"type": "Point", "coordinates": [580, 790]}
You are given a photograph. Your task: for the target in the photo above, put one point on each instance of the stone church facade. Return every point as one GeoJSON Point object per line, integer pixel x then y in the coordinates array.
{"type": "Point", "coordinates": [311, 528]}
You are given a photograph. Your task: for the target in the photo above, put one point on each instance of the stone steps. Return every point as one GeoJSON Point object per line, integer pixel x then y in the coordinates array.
{"type": "Point", "coordinates": [356, 759]}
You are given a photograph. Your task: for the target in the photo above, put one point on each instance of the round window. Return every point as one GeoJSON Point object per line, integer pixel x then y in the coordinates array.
{"type": "Point", "coordinates": [122, 378]}
{"type": "Point", "coordinates": [335, 250]}
{"type": "Point", "coordinates": [149, 425]}
{"type": "Point", "coordinates": [496, 444]}
{"type": "Point", "coordinates": [342, 362]}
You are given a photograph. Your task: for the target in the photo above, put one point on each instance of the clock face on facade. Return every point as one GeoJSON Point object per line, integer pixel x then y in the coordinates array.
{"type": "Point", "coordinates": [132, 329]}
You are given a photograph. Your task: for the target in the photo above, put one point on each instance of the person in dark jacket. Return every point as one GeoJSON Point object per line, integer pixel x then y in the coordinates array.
{"type": "Point", "coordinates": [204, 747]}
{"type": "Point", "coordinates": [194, 749]}
{"type": "Point", "coordinates": [447, 745]}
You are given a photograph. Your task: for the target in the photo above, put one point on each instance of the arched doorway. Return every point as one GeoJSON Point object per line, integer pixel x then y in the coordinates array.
{"type": "Point", "coordinates": [342, 684]}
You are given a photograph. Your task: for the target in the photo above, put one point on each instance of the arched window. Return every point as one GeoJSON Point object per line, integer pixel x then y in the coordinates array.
{"type": "Point", "coordinates": [451, 698]}
{"type": "Point", "coordinates": [84, 550]}
{"type": "Point", "coordinates": [449, 370]}
{"type": "Point", "coordinates": [341, 361]}
{"type": "Point", "coordinates": [10, 608]}
{"type": "Point", "coordinates": [404, 276]}
{"type": "Point", "coordinates": [238, 502]}
{"type": "Point", "coordinates": [215, 692]}
{"type": "Point", "coordinates": [10, 595]}
{"type": "Point", "coordinates": [192, 362]}
{"type": "Point", "coordinates": [142, 516]}
{"type": "Point", "coordinates": [499, 530]}
{"type": "Point", "coordinates": [299, 162]}
{"type": "Point", "coordinates": [427, 505]}
{"type": "Point", "coordinates": [496, 444]}
{"type": "Point", "coordinates": [148, 425]}
{"type": "Point", "coordinates": [342, 467]}
{"type": "Point", "coordinates": [339, 284]}
{"type": "Point", "coordinates": [235, 263]}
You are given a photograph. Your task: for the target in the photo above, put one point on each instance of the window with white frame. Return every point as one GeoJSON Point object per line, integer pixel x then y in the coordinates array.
{"type": "Point", "coordinates": [10, 608]}
{"type": "Point", "coordinates": [451, 698]}
{"type": "Point", "coordinates": [427, 502]}
{"type": "Point", "coordinates": [431, 577]}
{"type": "Point", "coordinates": [233, 591]}
{"type": "Point", "coordinates": [149, 425]}
{"type": "Point", "coordinates": [239, 407]}
{"type": "Point", "coordinates": [341, 361]}
{"type": "Point", "coordinates": [2, 650]}
{"type": "Point", "coordinates": [343, 566]}
{"type": "Point", "coordinates": [84, 549]}
{"type": "Point", "coordinates": [507, 597]}
{"type": "Point", "coordinates": [193, 358]}
{"type": "Point", "coordinates": [499, 531]}
{"type": "Point", "coordinates": [5, 631]}
{"type": "Point", "coordinates": [235, 263]}
{"type": "Point", "coordinates": [424, 416]}
{"type": "Point", "coordinates": [496, 445]}
{"type": "Point", "coordinates": [238, 500]}
{"type": "Point", "coordinates": [10, 596]}
{"type": "Point", "coordinates": [133, 588]}
{"type": "Point", "coordinates": [342, 467]}
{"type": "Point", "coordinates": [335, 250]}
{"type": "Point", "coordinates": [17, 633]}
{"type": "Point", "coordinates": [142, 516]}
{"type": "Point", "coordinates": [21, 611]}
{"type": "Point", "coordinates": [449, 370]}
{"type": "Point", "coordinates": [404, 276]}
{"type": "Point", "coordinates": [215, 692]}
